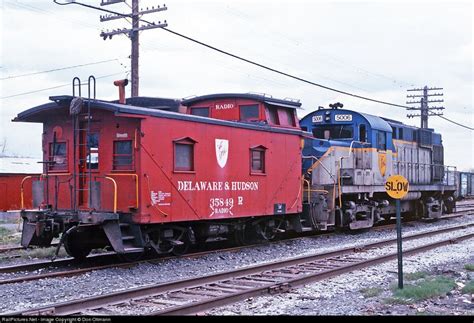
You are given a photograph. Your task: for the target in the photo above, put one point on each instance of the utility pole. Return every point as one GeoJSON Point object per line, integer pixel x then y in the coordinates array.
{"type": "Point", "coordinates": [132, 33]}
{"type": "Point", "coordinates": [424, 108]}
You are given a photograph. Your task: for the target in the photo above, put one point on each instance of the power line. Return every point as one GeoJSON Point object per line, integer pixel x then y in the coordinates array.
{"type": "Point", "coordinates": [54, 87]}
{"type": "Point", "coordinates": [239, 57]}
{"type": "Point", "coordinates": [280, 72]}
{"type": "Point", "coordinates": [456, 123]}
{"type": "Point", "coordinates": [252, 62]}
{"type": "Point", "coordinates": [57, 69]}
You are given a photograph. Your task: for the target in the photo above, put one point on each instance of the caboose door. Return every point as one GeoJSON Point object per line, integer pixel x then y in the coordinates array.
{"type": "Point", "coordinates": [88, 165]}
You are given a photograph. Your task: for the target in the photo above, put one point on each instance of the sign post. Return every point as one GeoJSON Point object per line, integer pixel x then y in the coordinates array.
{"type": "Point", "coordinates": [397, 187]}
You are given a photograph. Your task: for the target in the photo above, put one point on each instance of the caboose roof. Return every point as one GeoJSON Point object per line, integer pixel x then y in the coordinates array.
{"type": "Point", "coordinates": [249, 96]}
{"type": "Point", "coordinates": [49, 110]}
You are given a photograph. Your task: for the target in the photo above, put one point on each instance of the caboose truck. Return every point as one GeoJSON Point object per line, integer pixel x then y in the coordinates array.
{"type": "Point", "coordinates": [351, 156]}
{"type": "Point", "coordinates": [156, 174]}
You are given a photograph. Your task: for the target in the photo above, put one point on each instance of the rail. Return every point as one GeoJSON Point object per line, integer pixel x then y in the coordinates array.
{"type": "Point", "coordinates": [136, 184]}
{"type": "Point", "coordinates": [206, 292]}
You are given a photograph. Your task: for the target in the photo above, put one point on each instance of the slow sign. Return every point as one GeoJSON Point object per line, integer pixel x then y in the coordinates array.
{"type": "Point", "coordinates": [397, 186]}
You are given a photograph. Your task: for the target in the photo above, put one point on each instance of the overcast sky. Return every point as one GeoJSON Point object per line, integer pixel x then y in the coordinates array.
{"type": "Point", "coordinates": [374, 48]}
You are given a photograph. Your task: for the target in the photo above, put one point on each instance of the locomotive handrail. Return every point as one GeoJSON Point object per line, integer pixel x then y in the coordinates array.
{"type": "Point", "coordinates": [136, 183]}
{"type": "Point", "coordinates": [315, 164]}
{"type": "Point", "coordinates": [309, 190]}
{"type": "Point", "coordinates": [359, 142]}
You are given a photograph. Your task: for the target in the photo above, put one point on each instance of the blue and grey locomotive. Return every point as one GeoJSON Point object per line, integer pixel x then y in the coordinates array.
{"type": "Point", "coordinates": [349, 158]}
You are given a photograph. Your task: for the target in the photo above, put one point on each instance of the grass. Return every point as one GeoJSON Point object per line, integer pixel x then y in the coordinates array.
{"type": "Point", "coordinates": [8, 236]}
{"type": "Point", "coordinates": [469, 267]}
{"type": "Point", "coordinates": [415, 276]}
{"type": "Point", "coordinates": [371, 292]}
{"type": "Point", "coordinates": [42, 253]}
{"type": "Point", "coordinates": [426, 288]}
{"type": "Point", "coordinates": [469, 288]}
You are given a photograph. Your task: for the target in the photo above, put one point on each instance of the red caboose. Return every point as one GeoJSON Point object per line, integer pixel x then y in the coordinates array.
{"type": "Point", "coordinates": [161, 173]}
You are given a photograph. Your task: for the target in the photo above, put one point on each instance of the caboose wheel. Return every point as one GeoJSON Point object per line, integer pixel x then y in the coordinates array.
{"type": "Point", "coordinates": [131, 256]}
{"type": "Point", "coordinates": [75, 247]}
{"type": "Point", "coordinates": [185, 239]}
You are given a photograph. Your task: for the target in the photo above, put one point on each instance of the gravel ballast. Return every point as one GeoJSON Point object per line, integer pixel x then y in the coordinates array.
{"type": "Point", "coordinates": [337, 291]}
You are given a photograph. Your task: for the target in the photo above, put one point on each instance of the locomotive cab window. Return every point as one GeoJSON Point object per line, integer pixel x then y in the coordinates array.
{"type": "Point", "coordinates": [257, 160]}
{"type": "Point", "coordinates": [381, 140]}
{"type": "Point", "coordinates": [184, 155]}
{"type": "Point", "coordinates": [123, 155]}
{"type": "Point", "coordinates": [57, 155]}
{"type": "Point", "coordinates": [334, 132]}
{"type": "Point", "coordinates": [362, 133]}
{"type": "Point", "coordinates": [249, 112]}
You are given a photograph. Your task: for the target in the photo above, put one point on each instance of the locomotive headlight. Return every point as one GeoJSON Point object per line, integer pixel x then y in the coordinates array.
{"type": "Point", "coordinates": [327, 116]}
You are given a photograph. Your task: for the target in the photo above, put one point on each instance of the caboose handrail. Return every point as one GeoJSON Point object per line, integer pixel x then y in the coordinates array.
{"type": "Point", "coordinates": [115, 192]}
{"type": "Point", "coordinates": [136, 183]}
{"type": "Point", "coordinates": [22, 202]}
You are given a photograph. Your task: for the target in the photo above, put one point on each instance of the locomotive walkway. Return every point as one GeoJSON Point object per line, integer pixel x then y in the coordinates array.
{"type": "Point", "coordinates": [203, 293]}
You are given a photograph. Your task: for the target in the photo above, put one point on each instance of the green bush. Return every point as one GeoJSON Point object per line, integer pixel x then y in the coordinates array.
{"type": "Point", "coordinates": [469, 267]}
{"type": "Point", "coordinates": [371, 292]}
{"type": "Point", "coordinates": [426, 288]}
{"type": "Point", "coordinates": [469, 288]}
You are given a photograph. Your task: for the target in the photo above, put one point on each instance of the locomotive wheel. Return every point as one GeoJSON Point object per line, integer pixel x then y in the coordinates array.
{"type": "Point", "coordinates": [75, 247]}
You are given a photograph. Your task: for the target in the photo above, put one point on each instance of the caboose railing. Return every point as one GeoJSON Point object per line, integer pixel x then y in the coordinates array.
{"type": "Point", "coordinates": [136, 184]}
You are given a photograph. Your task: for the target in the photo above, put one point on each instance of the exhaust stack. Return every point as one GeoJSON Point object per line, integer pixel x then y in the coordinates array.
{"type": "Point", "coordinates": [121, 85]}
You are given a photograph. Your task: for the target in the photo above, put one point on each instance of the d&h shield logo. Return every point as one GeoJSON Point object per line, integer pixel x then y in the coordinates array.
{"type": "Point", "coordinates": [222, 151]}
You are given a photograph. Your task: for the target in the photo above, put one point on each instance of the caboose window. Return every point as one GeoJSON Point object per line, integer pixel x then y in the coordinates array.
{"type": "Point", "coordinates": [57, 154]}
{"type": "Point", "coordinates": [93, 145]}
{"type": "Point", "coordinates": [334, 132]}
{"type": "Point", "coordinates": [249, 112]}
{"type": "Point", "coordinates": [257, 160]}
{"type": "Point", "coordinates": [203, 112]}
{"type": "Point", "coordinates": [288, 117]}
{"type": "Point", "coordinates": [272, 115]}
{"type": "Point", "coordinates": [123, 155]}
{"type": "Point", "coordinates": [400, 133]}
{"type": "Point", "coordinates": [184, 156]}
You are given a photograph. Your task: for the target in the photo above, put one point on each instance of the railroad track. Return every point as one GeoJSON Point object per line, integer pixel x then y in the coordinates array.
{"type": "Point", "coordinates": [203, 293]}
{"type": "Point", "coordinates": [69, 267]}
